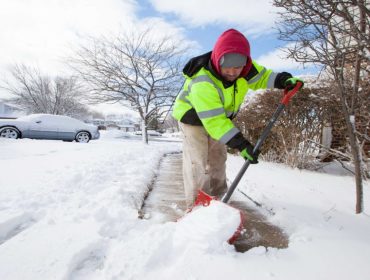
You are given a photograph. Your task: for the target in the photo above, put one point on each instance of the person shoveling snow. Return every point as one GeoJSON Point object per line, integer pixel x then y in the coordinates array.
{"type": "Point", "coordinates": [215, 86]}
{"type": "Point", "coordinates": [214, 90]}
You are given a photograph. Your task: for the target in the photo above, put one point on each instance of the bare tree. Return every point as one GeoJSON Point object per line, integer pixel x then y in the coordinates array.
{"type": "Point", "coordinates": [138, 70]}
{"type": "Point", "coordinates": [37, 93]}
{"type": "Point", "coordinates": [335, 35]}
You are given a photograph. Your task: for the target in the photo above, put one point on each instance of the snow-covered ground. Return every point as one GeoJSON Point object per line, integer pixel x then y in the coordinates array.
{"type": "Point", "coordinates": [69, 211]}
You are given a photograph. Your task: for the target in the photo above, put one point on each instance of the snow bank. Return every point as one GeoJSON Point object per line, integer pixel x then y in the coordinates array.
{"type": "Point", "coordinates": [69, 211]}
{"type": "Point", "coordinates": [162, 251]}
{"type": "Point", "coordinates": [61, 203]}
{"type": "Point", "coordinates": [207, 227]}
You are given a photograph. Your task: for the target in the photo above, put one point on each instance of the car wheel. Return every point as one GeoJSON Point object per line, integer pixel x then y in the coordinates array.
{"type": "Point", "coordinates": [83, 137]}
{"type": "Point", "coordinates": [9, 132]}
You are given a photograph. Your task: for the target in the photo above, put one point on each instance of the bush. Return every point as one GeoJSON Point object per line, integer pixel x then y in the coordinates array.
{"type": "Point", "coordinates": [290, 140]}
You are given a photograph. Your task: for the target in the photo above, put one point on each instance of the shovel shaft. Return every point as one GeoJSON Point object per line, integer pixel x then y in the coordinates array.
{"type": "Point", "coordinates": [259, 143]}
{"type": "Point", "coordinates": [288, 94]}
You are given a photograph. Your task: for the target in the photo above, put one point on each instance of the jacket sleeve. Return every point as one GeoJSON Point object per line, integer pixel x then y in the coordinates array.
{"type": "Point", "coordinates": [259, 77]}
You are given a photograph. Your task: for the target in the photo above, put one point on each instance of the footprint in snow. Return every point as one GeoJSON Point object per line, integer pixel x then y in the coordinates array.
{"type": "Point", "coordinates": [87, 262]}
{"type": "Point", "coordinates": [15, 226]}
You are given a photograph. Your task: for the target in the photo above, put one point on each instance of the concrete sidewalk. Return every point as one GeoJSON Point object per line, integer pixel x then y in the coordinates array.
{"type": "Point", "coordinates": [166, 202]}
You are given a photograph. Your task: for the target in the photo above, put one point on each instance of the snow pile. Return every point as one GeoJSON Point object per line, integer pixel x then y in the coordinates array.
{"type": "Point", "coordinates": [208, 227]}
{"type": "Point", "coordinates": [164, 250]}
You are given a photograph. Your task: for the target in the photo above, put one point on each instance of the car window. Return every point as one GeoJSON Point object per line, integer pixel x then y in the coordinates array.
{"type": "Point", "coordinates": [28, 118]}
{"type": "Point", "coordinates": [45, 119]}
{"type": "Point", "coordinates": [58, 120]}
{"type": "Point", "coordinates": [34, 118]}
{"type": "Point", "coordinates": [75, 121]}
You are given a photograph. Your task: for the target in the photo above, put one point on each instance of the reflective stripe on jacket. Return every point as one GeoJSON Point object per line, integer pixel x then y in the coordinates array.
{"type": "Point", "coordinates": [216, 105]}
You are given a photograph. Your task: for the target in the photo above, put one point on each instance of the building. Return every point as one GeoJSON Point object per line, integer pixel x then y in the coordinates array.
{"type": "Point", "coordinates": [119, 122]}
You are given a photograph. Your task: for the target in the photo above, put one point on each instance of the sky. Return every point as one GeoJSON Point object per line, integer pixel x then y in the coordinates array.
{"type": "Point", "coordinates": [43, 34]}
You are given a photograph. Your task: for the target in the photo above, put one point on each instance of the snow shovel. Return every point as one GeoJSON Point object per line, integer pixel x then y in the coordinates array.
{"type": "Point", "coordinates": [203, 199]}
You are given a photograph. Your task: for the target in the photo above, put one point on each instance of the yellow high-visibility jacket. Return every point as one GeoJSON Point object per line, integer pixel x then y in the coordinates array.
{"type": "Point", "coordinates": [205, 101]}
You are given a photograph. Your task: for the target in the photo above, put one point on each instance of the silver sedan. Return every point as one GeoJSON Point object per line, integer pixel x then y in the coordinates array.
{"type": "Point", "coordinates": [45, 126]}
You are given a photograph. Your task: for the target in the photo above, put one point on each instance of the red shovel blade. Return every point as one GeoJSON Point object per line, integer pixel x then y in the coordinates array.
{"type": "Point", "coordinates": [204, 199]}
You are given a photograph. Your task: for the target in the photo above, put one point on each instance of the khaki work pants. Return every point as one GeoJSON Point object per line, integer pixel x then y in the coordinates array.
{"type": "Point", "coordinates": [204, 163]}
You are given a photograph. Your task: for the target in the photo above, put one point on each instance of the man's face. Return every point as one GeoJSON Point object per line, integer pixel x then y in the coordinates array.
{"type": "Point", "coordinates": [230, 74]}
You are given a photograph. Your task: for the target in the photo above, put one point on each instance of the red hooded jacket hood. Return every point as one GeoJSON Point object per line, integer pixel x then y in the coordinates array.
{"type": "Point", "coordinates": [231, 41]}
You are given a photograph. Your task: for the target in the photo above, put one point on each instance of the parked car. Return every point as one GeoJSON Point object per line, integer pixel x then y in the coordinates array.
{"type": "Point", "coordinates": [45, 126]}
{"type": "Point", "coordinates": [154, 133]}
{"type": "Point", "coordinates": [150, 133]}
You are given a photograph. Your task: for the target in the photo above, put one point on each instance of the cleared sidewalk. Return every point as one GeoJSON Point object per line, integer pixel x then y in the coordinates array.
{"type": "Point", "coordinates": [166, 202]}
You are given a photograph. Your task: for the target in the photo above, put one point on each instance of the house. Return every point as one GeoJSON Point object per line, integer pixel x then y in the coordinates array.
{"type": "Point", "coordinates": [98, 122]}
{"type": "Point", "coordinates": [127, 127]}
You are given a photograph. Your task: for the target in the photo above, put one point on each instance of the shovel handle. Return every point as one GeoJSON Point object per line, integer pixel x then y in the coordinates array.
{"type": "Point", "coordinates": [288, 94]}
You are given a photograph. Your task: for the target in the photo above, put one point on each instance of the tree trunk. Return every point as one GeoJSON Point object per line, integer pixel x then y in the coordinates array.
{"type": "Point", "coordinates": [144, 131]}
{"type": "Point", "coordinates": [351, 122]}
{"type": "Point", "coordinates": [355, 150]}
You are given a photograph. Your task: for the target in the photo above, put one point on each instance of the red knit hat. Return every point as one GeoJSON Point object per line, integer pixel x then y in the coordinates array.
{"type": "Point", "coordinates": [231, 41]}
